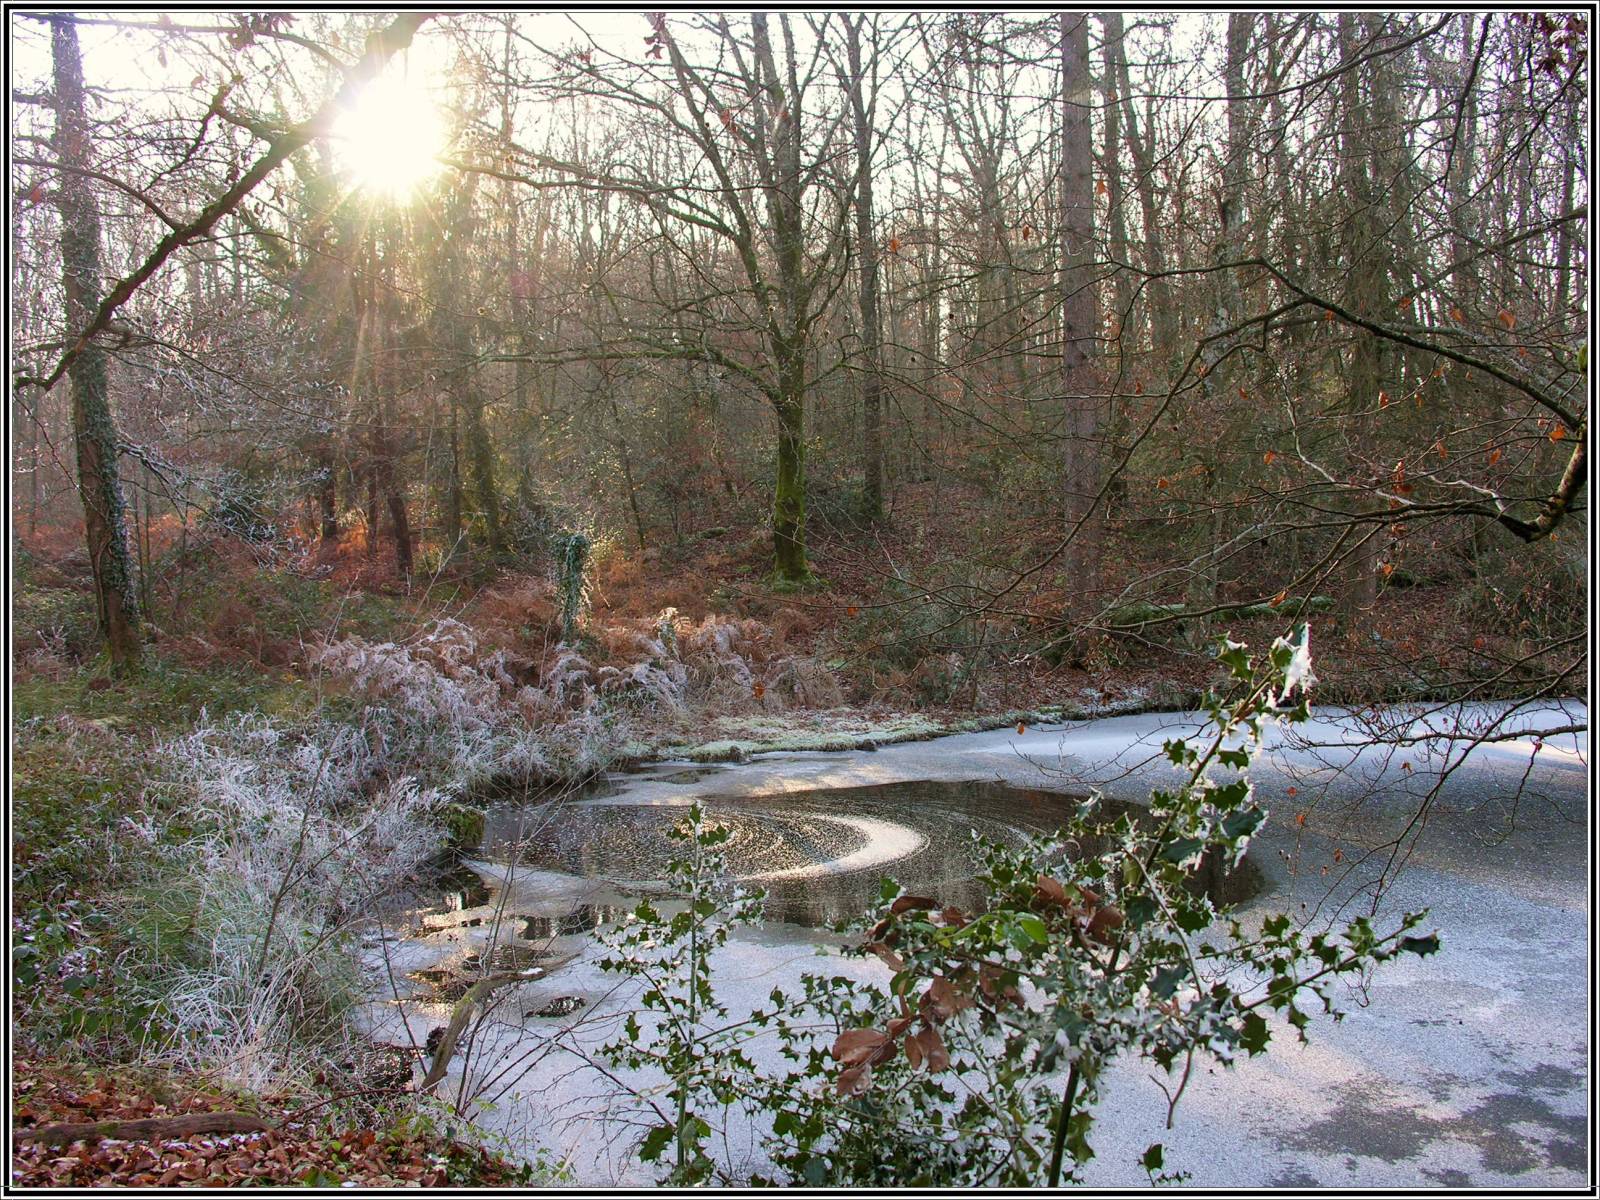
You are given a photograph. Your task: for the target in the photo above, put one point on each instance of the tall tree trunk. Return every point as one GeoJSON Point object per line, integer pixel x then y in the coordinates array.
{"type": "Point", "coordinates": [867, 247]}
{"type": "Point", "coordinates": [1116, 191]}
{"type": "Point", "coordinates": [402, 531]}
{"type": "Point", "coordinates": [1222, 369]}
{"type": "Point", "coordinates": [29, 411]}
{"type": "Point", "coordinates": [373, 525]}
{"type": "Point", "coordinates": [789, 497]}
{"type": "Point", "coordinates": [393, 485]}
{"type": "Point", "coordinates": [521, 274]}
{"type": "Point", "coordinates": [94, 432]}
{"type": "Point", "coordinates": [1464, 222]}
{"type": "Point", "coordinates": [1078, 318]}
{"type": "Point", "coordinates": [626, 460]}
{"type": "Point", "coordinates": [788, 336]}
{"type": "Point", "coordinates": [482, 453]}
{"type": "Point", "coordinates": [453, 500]}
{"type": "Point", "coordinates": [1366, 270]}
{"type": "Point", "coordinates": [1123, 338]}
{"type": "Point", "coordinates": [1141, 148]}
{"type": "Point", "coordinates": [1565, 238]}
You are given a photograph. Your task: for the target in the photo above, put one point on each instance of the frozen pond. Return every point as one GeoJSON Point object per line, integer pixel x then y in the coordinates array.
{"type": "Point", "coordinates": [1469, 1068]}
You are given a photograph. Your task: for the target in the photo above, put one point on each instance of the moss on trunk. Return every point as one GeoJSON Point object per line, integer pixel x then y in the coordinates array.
{"type": "Point", "coordinates": [789, 496]}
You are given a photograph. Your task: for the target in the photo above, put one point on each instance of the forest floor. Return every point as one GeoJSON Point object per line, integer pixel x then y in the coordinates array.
{"type": "Point", "coordinates": [143, 1137]}
{"type": "Point", "coordinates": [862, 659]}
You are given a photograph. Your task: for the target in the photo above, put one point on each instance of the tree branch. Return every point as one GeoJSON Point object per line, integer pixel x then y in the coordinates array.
{"type": "Point", "coordinates": [381, 46]}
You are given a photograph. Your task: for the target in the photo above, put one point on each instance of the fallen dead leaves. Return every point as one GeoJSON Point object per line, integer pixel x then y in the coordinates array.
{"type": "Point", "coordinates": [298, 1152]}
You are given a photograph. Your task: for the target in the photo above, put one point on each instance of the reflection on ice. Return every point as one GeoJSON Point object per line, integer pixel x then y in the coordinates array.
{"type": "Point", "coordinates": [820, 854]}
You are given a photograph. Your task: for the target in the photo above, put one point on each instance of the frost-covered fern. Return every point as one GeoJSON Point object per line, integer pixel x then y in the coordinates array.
{"type": "Point", "coordinates": [462, 716]}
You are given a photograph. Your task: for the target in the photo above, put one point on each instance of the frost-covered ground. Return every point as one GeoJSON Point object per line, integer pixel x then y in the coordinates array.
{"type": "Point", "coordinates": [1468, 1068]}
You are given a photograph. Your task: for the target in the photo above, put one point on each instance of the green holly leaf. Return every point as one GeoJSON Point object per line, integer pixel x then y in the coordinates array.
{"type": "Point", "coordinates": [1254, 1034]}
{"type": "Point", "coordinates": [1420, 945]}
{"type": "Point", "coordinates": [1181, 849]}
{"type": "Point", "coordinates": [1034, 928]}
{"type": "Point", "coordinates": [1242, 824]}
{"type": "Point", "coordinates": [1236, 658]}
{"type": "Point", "coordinates": [1238, 759]}
{"type": "Point", "coordinates": [1140, 911]}
{"type": "Point", "coordinates": [655, 1142]}
{"type": "Point", "coordinates": [1166, 981]}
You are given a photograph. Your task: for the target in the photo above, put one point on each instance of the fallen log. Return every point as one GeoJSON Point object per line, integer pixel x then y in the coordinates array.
{"type": "Point", "coordinates": [148, 1129]}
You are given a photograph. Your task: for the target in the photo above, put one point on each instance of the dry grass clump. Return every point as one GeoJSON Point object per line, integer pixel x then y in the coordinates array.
{"type": "Point", "coordinates": [241, 929]}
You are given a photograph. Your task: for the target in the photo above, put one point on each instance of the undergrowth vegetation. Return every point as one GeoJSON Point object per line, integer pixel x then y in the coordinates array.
{"type": "Point", "coordinates": [248, 919]}
{"type": "Point", "coordinates": [196, 843]}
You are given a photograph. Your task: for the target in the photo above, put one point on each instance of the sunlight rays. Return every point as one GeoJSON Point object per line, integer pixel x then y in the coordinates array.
{"type": "Point", "coordinates": [390, 138]}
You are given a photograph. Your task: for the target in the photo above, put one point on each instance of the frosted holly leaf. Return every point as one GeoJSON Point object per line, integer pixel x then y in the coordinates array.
{"type": "Point", "coordinates": [1291, 660]}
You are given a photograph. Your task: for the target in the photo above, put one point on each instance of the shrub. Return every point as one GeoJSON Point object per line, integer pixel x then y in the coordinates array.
{"type": "Point", "coordinates": [1539, 592]}
{"type": "Point", "coordinates": [241, 506]}
{"type": "Point", "coordinates": [914, 645]}
{"type": "Point", "coordinates": [54, 625]}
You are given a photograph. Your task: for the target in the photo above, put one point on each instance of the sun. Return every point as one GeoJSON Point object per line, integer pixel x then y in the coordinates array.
{"type": "Point", "coordinates": [390, 136]}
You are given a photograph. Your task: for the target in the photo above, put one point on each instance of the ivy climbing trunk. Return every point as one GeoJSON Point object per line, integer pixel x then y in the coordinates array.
{"type": "Point", "coordinates": [94, 432]}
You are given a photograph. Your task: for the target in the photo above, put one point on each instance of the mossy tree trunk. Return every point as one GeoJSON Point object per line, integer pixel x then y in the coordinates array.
{"type": "Point", "coordinates": [789, 317]}
{"type": "Point", "coordinates": [94, 431]}
{"type": "Point", "coordinates": [789, 277]}
{"type": "Point", "coordinates": [789, 496]}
